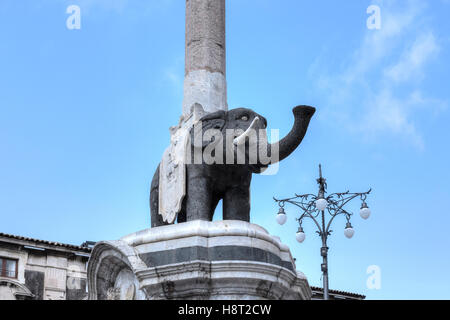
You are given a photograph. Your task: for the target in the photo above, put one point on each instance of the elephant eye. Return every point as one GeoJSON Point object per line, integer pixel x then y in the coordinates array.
{"type": "Point", "coordinates": [244, 118]}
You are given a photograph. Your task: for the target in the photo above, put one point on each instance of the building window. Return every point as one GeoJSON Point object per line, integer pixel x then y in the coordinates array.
{"type": "Point", "coordinates": [8, 268]}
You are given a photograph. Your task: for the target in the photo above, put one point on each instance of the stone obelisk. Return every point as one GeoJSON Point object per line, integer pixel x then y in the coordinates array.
{"type": "Point", "coordinates": [205, 65]}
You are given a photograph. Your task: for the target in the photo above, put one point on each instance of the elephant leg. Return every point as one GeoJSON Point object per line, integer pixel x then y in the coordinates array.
{"type": "Point", "coordinates": [236, 204]}
{"type": "Point", "coordinates": [182, 214]}
{"type": "Point", "coordinates": [156, 218]}
{"type": "Point", "coordinates": [199, 200]}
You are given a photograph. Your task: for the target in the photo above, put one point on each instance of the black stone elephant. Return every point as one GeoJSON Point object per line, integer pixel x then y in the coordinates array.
{"type": "Point", "coordinates": [228, 176]}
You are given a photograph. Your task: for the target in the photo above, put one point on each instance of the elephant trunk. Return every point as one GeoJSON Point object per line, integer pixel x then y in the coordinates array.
{"type": "Point", "coordinates": [288, 144]}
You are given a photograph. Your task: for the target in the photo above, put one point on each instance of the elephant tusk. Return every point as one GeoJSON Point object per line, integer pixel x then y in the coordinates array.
{"type": "Point", "coordinates": [241, 139]}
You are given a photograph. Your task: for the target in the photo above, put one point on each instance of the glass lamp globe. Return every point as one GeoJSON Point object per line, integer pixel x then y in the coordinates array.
{"type": "Point", "coordinates": [321, 204]}
{"type": "Point", "coordinates": [281, 217]}
{"type": "Point", "coordinates": [365, 211]}
{"type": "Point", "coordinates": [300, 236]}
{"type": "Point", "coordinates": [349, 231]}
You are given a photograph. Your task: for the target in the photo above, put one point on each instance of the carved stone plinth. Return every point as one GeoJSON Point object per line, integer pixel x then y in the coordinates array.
{"type": "Point", "coordinates": [196, 260]}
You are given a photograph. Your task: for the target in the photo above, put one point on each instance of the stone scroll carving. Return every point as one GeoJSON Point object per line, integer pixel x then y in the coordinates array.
{"type": "Point", "coordinates": [172, 176]}
{"type": "Point", "coordinates": [172, 171]}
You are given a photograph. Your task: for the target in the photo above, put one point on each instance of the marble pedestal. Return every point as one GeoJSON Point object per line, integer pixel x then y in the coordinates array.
{"type": "Point", "coordinates": [196, 260]}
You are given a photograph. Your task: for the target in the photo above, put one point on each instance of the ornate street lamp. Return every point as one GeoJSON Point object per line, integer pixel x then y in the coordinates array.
{"type": "Point", "coordinates": [314, 207]}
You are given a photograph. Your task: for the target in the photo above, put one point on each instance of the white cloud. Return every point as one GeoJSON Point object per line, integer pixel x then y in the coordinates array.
{"type": "Point", "coordinates": [174, 78]}
{"type": "Point", "coordinates": [382, 77]}
{"type": "Point", "coordinates": [378, 44]}
{"type": "Point", "coordinates": [414, 59]}
{"type": "Point", "coordinates": [387, 113]}
{"type": "Point", "coordinates": [174, 73]}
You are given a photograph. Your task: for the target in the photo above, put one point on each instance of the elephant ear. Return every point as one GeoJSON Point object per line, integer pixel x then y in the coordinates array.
{"type": "Point", "coordinates": [212, 121]}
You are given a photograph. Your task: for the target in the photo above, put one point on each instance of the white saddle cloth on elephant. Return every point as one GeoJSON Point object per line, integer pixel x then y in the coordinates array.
{"type": "Point", "coordinates": [172, 170]}
{"type": "Point", "coordinates": [172, 176]}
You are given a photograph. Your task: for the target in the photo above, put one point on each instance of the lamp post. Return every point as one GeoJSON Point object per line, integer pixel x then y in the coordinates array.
{"type": "Point", "coordinates": [315, 208]}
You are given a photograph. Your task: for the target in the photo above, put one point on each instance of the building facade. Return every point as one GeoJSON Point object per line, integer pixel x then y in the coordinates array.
{"type": "Point", "coordinates": [42, 270]}
{"type": "Point", "coordinates": [335, 295]}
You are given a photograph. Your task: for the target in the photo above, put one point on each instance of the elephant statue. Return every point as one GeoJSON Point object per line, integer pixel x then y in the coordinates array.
{"type": "Point", "coordinates": [208, 183]}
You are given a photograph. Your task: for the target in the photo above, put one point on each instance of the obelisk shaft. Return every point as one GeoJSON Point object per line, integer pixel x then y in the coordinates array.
{"type": "Point", "coordinates": [205, 66]}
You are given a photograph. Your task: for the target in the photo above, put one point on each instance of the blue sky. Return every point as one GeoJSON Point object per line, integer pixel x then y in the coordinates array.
{"type": "Point", "coordinates": [84, 118]}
